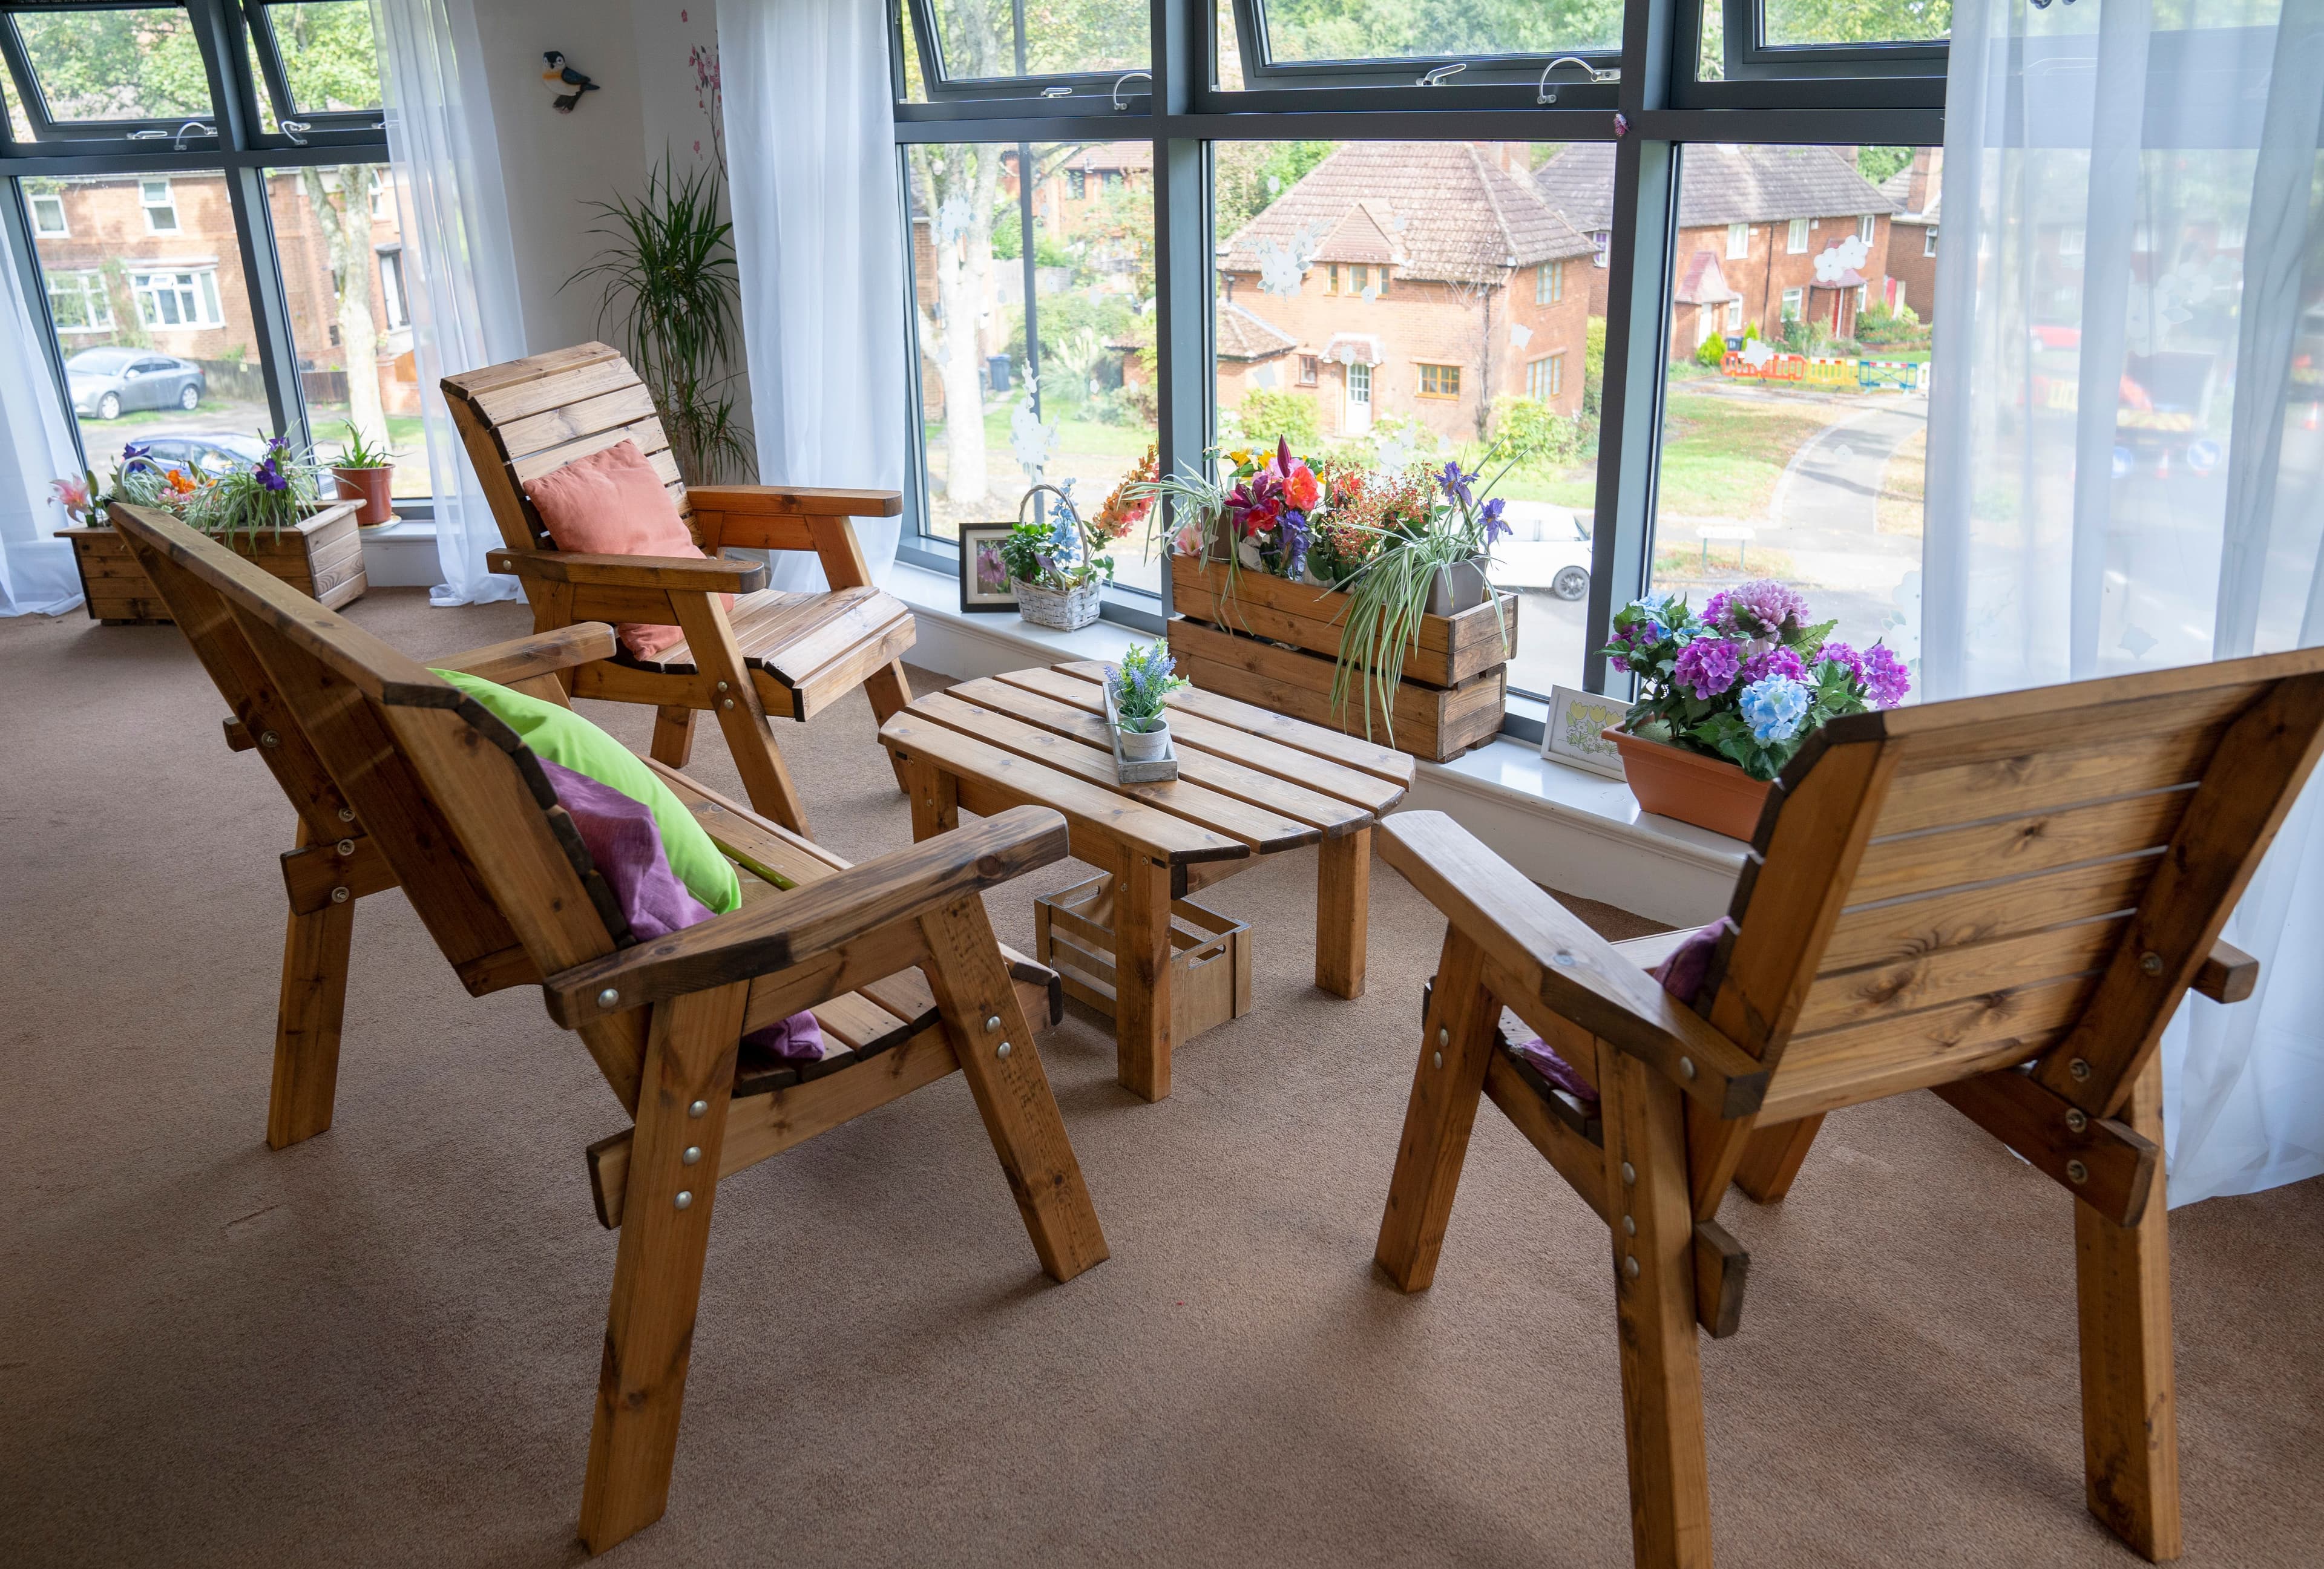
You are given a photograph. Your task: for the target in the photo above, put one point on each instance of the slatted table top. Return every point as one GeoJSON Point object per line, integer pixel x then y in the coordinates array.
{"type": "Point", "coordinates": [1251, 782]}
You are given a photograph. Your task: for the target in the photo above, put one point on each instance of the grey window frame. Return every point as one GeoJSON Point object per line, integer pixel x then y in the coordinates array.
{"type": "Point", "coordinates": [238, 146]}
{"type": "Point", "coordinates": [1878, 94]}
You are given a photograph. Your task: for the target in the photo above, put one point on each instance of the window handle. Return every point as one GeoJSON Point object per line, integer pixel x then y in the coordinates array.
{"type": "Point", "coordinates": [1436, 78]}
{"type": "Point", "coordinates": [296, 130]}
{"type": "Point", "coordinates": [1056, 92]}
{"type": "Point", "coordinates": [1128, 77]}
{"type": "Point", "coordinates": [1543, 93]}
{"type": "Point", "coordinates": [149, 136]}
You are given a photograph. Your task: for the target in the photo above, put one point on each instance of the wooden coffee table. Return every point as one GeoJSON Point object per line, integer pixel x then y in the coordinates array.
{"type": "Point", "coordinates": [1250, 783]}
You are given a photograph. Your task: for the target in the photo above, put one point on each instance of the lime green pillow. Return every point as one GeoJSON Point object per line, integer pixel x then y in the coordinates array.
{"type": "Point", "coordinates": [563, 737]}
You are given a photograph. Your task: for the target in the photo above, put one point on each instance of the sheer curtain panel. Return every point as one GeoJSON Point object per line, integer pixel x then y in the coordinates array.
{"type": "Point", "coordinates": [2127, 438]}
{"type": "Point", "coordinates": [460, 267]}
{"type": "Point", "coordinates": [818, 237]}
{"type": "Point", "coordinates": [36, 569]}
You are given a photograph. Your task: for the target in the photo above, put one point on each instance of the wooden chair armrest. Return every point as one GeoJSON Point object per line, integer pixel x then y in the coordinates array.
{"type": "Point", "coordinates": [819, 919]}
{"type": "Point", "coordinates": [708, 575]}
{"type": "Point", "coordinates": [541, 653]}
{"type": "Point", "coordinates": [796, 500]}
{"type": "Point", "coordinates": [1541, 952]}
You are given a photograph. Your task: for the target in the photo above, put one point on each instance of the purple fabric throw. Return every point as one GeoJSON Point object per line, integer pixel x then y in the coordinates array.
{"type": "Point", "coordinates": [1680, 974]}
{"type": "Point", "coordinates": [626, 846]}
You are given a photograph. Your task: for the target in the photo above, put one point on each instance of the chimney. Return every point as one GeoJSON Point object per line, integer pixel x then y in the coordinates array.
{"type": "Point", "coordinates": [1928, 169]}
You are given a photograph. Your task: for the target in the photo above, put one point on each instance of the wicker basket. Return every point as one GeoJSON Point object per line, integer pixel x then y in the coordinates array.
{"type": "Point", "coordinates": [1065, 609]}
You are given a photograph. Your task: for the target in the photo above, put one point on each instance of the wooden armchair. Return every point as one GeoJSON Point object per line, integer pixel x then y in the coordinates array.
{"type": "Point", "coordinates": [2002, 900]}
{"type": "Point", "coordinates": [776, 653]}
{"type": "Point", "coordinates": [399, 779]}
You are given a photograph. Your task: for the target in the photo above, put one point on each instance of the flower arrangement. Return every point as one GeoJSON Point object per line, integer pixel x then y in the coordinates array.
{"type": "Point", "coordinates": [1132, 501]}
{"type": "Point", "coordinates": [1750, 679]}
{"type": "Point", "coordinates": [1060, 554]}
{"type": "Point", "coordinates": [275, 493]}
{"type": "Point", "coordinates": [1147, 675]}
{"type": "Point", "coordinates": [83, 505]}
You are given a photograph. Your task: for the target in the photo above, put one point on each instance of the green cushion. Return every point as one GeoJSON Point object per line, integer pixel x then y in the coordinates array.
{"type": "Point", "coordinates": [563, 737]}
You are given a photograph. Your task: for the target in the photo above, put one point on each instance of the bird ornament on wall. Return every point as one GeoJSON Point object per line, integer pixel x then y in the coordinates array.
{"type": "Point", "coordinates": [565, 84]}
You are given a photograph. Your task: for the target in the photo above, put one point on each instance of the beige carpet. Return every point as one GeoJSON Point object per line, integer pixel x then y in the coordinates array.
{"type": "Point", "coordinates": [380, 1347]}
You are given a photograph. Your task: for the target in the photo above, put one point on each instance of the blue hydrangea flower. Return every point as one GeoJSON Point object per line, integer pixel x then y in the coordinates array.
{"type": "Point", "coordinates": [1773, 707]}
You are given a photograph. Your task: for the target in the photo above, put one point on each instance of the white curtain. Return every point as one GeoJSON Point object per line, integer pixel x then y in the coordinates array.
{"type": "Point", "coordinates": [459, 266]}
{"type": "Point", "coordinates": [2127, 438]}
{"type": "Point", "coordinates": [818, 237]}
{"type": "Point", "coordinates": [36, 449]}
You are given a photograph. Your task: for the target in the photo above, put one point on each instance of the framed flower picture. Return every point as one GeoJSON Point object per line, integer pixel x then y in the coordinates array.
{"type": "Point", "coordinates": [1573, 733]}
{"type": "Point", "coordinates": [984, 583]}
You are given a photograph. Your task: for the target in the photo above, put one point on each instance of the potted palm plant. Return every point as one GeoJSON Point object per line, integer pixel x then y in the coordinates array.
{"type": "Point", "coordinates": [365, 474]}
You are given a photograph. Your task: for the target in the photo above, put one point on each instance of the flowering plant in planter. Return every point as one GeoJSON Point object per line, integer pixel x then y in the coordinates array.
{"type": "Point", "coordinates": [1750, 679]}
{"type": "Point", "coordinates": [277, 492]}
{"type": "Point", "coordinates": [1147, 675]}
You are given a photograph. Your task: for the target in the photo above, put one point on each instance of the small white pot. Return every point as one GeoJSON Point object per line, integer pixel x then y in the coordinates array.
{"type": "Point", "coordinates": [1144, 745]}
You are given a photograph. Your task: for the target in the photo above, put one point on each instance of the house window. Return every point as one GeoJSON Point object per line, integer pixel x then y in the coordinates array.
{"type": "Point", "coordinates": [390, 288]}
{"type": "Point", "coordinates": [1310, 370]}
{"type": "Point", "coordinates": [2070, 241]}
{"type": "Point", "coordinates": [1077, 184]}
{"type": "Point", "coordinates": [1549, 284]}
{"type": "Point", "coordinates": [1735, 315]}
{"type": "Point", "coordinates": [1603, 240]}
{"type": "Point", "coordinates": [77, 302]}
{"type": "Point", "coordinates": [1929, 241]}
{"type": "Point", "coordinates": [1440, 380]}
{"type": "Point", "coordinates": [1738, 241]}
{"type": "Point", "coordinates": [1794, 299]}
{"type": "Point", "coordinates": [1797, 244]}
{"type": "Point", "coordinates": [1358, 279]}
{"type": "Point", "coordinates": [1864, 228]}
{"type": "Point", "coordinates": [188, 298]}
{"type": "Point", "coordinates": [49, 217]}
{"type": "Point", "coordinates": [1860, 297]}
{"type": "Point", "coordinates": [1331, 279]}
{"type": "Point", "coordinates": [160, 206]}
{"type": "Point", "coordinates": [382, 198]}
{"type": "Point", "coordinates": [1545, 377]}
{"type": "Point", "coordinates": [1113, 179]}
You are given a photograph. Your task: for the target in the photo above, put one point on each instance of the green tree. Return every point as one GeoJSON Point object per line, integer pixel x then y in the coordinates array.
{"type": "Point", "coordinates": [117, 65]}
{"type": "Point", "coordinates": [1455, 29]}
{"type": "Point", "coordinates": [1250, 175]}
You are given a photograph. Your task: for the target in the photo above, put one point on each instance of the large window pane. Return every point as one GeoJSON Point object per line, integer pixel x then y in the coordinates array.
{"type": "Point", "coordinates": [1796, 411]}
{"type": "Point", "coordinates": [1828, 22]}
{"type": "Point", "coordinates": [1074, 405]}
{"type": "Point", "coordinates": [1393, 304]}
{"type": "Point", "coordinates": [328, 55]}
{"type": "Point", "coordinates": [144, 283]}
{"type": "Point", "coordinates": [984, 40]}
{"type": "Point", "coordinates": [336, 230]}
{"type": "Point", "coordinates": [1352, 29]}
{"type": "Point", "coordinates": [135, 63]}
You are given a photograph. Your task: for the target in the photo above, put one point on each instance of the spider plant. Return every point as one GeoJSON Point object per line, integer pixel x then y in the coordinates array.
{"type": "Point", "coordinates": [667, 275]}
{"type": "Point", "coordinates": [1198, 501]}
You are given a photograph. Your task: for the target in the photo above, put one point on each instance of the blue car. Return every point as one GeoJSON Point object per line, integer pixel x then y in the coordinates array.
{"type": "Point", "coordinates": [108, 383]}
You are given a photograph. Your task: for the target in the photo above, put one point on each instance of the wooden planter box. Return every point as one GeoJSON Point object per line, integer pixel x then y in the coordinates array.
{"type": "Point", "coordinates": [1210, 955]}
{"type": "Point", "coordinates": [322, 558]}
{"type": "Point", "coordinates": [1454, 687]}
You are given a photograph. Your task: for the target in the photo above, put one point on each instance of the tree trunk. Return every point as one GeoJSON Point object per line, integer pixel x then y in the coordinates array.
{"type": "Point", "coordinates": [964, 267]}
{"type": "Point", "coordinates": [345, 226]}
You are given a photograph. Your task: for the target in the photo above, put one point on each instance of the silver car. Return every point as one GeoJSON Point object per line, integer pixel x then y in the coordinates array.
{"type": "Point", "coordinates": [108, 383]}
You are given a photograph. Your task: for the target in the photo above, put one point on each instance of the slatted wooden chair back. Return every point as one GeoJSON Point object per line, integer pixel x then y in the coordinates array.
{"type": "Point", "coordinates": [382, 757]}
{"type": "Point", "coordinates": [1939, 891]}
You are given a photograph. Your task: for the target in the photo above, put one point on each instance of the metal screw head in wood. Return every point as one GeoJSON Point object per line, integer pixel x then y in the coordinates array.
{"type": "Point", "coordinates": [2151, 962]}
{"type": "Point", "coordinates": [347, 814]}
{"type": "Point", "coordinates": [685, 1199]}
{"type": "Point", "coordinates": [725, 702]}
{"type": "Point", "coordinates": [699, 1108]}
{"type": "Point", "coordinates": [1630, 1266]}
{"type": "Point", "coordinates": [1444, 1037]}
{"type": "Point", "coordinates": [2079, 1069]}
{"type": "Point", "coordinates": [2077, 1120]}
{"type": "Point", "coordinates": [991, 1023]}
{"type": "Point", "coordinates": [692, 1153]}
{"type": "Point", "coordinates": [1629, 1225]}
{"type": "Point", "coordinates": [722, 686]}
{"type": "Point", "coordinates": [268, 738]}
{"type": "Point", "coordinates": [339, 896]}
{"type": "Point", "coordinates": [1436, 1059]}
{"type": "Point", "coordinates": [1629, 1172]}
{"type": "Point", "coordinates": [345, 847]}
{"type": "Point", "coordinates": [608, 997]}
{"type": "Point", "coordinates": [1000, 1050]}
{"type": "Point", "coordinates": [2077, 1173]}
{"type": "Point", "coordinates": [1686, 1067]}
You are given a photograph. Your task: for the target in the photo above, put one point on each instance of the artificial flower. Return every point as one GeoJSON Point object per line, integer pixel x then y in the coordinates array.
{"type": "Point", "coordinates": [1885, 678]}
{"type": "Point", "coordinates": [1496, 528]}
{"type": "Point", "coordinates": [73, 493]}
{"type": "Point", "coordinates": [1757, 611]}
{"type": "Point", "coordinates": [1708, 667]}
{"type": "Point", "coordinates": [1456, 484]}
{"type": "Point", "coordinates": [1773, 707]}
{"type": "Point", "coordinates": [1778, 660]}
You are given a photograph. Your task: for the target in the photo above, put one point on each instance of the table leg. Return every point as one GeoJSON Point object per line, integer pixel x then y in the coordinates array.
{"type": "Point", "coordinates": [1343, 885]}
{"type": "Point", "coordinates": [936, 798]}
{"type": "Point", "coordinates": [1141, 976]}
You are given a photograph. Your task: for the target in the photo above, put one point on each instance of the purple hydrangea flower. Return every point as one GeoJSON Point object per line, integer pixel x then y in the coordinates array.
{"type": "Point", "coordinates": [1716, 608]}
{"type": "Point", "coordinates": [1776, 662]}
{"type": "Point", "coordinates": [1707, 666]}
{"type": "Point", "coordinates": [1774, 708]}
{"type": "Point", "coordinates": [1847, 658]}
{"type": "Point", "coordinates": [1884, 676]}
{"type": "Point", "coordinates": [1759, 610]}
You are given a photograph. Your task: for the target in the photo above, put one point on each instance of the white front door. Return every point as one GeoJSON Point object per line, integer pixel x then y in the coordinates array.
{"type": "Point", "coordinates": [1359, 400]}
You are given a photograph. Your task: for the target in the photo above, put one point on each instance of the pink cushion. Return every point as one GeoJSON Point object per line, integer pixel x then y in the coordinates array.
{"type": "Point", "coordinates": [1680, 974]}
{"type": "Point", "coordinates": [613, 503]}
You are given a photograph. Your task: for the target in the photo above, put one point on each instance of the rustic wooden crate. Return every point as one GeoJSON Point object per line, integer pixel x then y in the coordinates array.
{"type": "Point", "coordinates": [322, 559]}
{"type": "Point", "coordinates": [1437, 723]}
{"type": "Point", "coordinates": [1210, 955]}
{"type": "Point", "coordinates": [1447, 650]}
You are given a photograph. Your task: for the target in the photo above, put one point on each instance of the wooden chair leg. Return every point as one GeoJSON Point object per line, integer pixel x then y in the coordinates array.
{"type": "Point", "coordinates": [1773, 1157]}
{"type": "Point", "coordinates": [890, 693]}
{"type": "Point", "coordinates": [657, 1266]}
{"type": "Point", "coordinates": [1003, 1068]}
{"type": "Point", "coordinates": [673, 736]}
{"type": "Point", "coordinates": [2130, 1402]}
{"type": "Point", "coordinates": [1455, 1050]}
{"type": "Point", "coordinates": [934, 797]}
{"type": "Point", "coordinates": [1651, 1218]}
{"type": "Point", "coordinates": [766, 777]}
{"type": "Point", "coordinates": [1343, 881]}
{"type": "Point", "coordinates": [315, 953]}
{"type": "Point", "coordinates": [1141, 977]}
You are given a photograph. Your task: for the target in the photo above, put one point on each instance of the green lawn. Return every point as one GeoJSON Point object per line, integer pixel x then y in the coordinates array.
{"type": "Point", "coordinates": [1722, 457]}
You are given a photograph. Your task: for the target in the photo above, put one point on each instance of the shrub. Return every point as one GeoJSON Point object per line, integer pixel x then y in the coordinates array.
{"type": "Point", "coordinates": [1534, 436]}
{"type": "Point", "coordinates": [1711, 352]}
{"type": "Point", "coordinates": [1267, 415]}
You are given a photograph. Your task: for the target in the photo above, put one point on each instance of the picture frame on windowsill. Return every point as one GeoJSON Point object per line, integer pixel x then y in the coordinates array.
{"type": "Point", "coordinates": [1570, 734]}
{"type": "Point", "coordinates": [985, 586]}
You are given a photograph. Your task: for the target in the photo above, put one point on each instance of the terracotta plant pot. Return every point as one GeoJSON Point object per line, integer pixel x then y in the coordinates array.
{"type": "Point", "coordinates": [371, 487]}
{"type": "Point", "coordinates": [1708, 792]}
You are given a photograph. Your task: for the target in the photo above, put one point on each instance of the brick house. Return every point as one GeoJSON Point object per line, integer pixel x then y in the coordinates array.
{"type": "Point", "coordinates": [1752, 222]}
{"type": "Point", "coordinates": [126, 255]}
{"type": "Point", "coordinates": [1419, 280]}
{"type": "Point", "coordinates": [1912, 232]}
{"type": "Point", "coordinates": [1076, 195]}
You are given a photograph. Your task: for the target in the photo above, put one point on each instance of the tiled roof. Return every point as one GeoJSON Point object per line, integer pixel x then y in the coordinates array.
{"type": "Point", "coordinates": [1704, 282]}
{"type": "Point", "coordinates": [1719, 184]}
{"type": "Point", "coordinates": [1898, 188]}
{"type": "Point", "coordinates": [1245, 335]}
{"type": "Point", "coordinates": [1110, 155]}
{"type": "Point", "coordinates": [1441, 210]}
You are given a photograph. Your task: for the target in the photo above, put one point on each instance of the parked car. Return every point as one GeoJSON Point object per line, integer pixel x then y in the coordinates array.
{"type": "Point", "coordinates": [206, 455]}
{"type": "Point", "coordinates": [1547, 548]}
{"type": "Point", "coordinates": [108, 383]}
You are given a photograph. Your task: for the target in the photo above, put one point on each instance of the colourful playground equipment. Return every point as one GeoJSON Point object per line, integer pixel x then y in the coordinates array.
{"type": "Point", "coordinates": [1865, 375]}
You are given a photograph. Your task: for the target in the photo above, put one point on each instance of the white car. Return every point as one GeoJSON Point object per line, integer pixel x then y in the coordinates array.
{"type": "Point", "coordinates": [1548, 547]}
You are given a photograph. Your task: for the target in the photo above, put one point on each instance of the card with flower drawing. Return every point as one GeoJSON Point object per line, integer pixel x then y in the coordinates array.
{"type": "Point", "coordinates": [1575, 731]}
